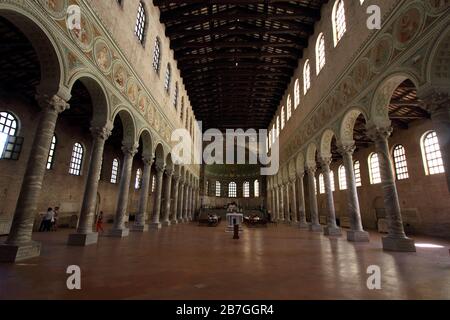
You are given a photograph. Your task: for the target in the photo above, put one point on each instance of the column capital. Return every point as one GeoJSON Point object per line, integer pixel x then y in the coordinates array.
{"type": "Point", "coordinates": [435, 101]}
{"type": "Point", "coordinates": [148, 161]}
{"type": "Point", "coordinates": [311, 169]}
{"type": "Point", "coordinates": [54, 103]}
{"type": "Point", "coordinates": [102, 132]}
{"type": "Point", "coordinates": [377, 134]}
{"type": "Point", "coordinates": [160, 167]}
{"type": "Point", "coordinates": [293, 179]}
{"type": "Point", "coordinates": [169, 172]}
{"type": "Point", "coordinates": [176, 177]}
{"type": "Point", "coordinates": [346, 148]}
{"type": "Point", "coordinates": [130, 150]}
{"type": "Point", "coordinates": [325, 162]}
{"type": "Point", "coordinates": [301, 175]}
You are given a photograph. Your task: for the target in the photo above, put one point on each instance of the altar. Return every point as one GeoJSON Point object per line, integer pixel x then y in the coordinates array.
{"type": "Point", "coordinates": [232, 219]}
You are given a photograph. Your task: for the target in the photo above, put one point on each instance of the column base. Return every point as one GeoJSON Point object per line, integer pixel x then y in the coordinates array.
{"type": "Point", "coordinates": [398, 244]}
{"type": "Point", "coordinates": [358, 236]}
{"type": "Point", "coordinates": [303, 225]}
{"type": "Point", "coordinates": [166, 223]}
{"type": "Point", "coordinates": [155, 225]}
{"type": "Point", "coordinates": [15, 253]}
{"type": "Point", "coordinates": [174, 222]}
{"type": "Point", "coordinates": [119, 233]}
{"type": "Point", "coordinates": [332, 231]}
{"type": "Point", "coordinates": [82, 239]}
{"type": "Point", "coordinates": [315, 228]}
{"type": "Point", "coordinates": [139, 228]}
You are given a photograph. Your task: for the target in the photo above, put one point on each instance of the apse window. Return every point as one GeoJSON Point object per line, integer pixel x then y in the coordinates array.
{"type": "Point", "coordinates": [296, 94]}
{"type": "Point", "coordinates": [401, 167]}
{"type": "Point", "coordinates": [431, 153]}
{"type": "Point", "coordinates": [218, 189]}
{"type": "Point", "coordinates": [8, 130]}
{"type": "Point", "coordinates": [246, 189]}
{"type": "Point", "coordinates": [333, 187]}
{"type": "Point", "coordinates": [232, 192]}
{"type": "Point", "coordinates": [156, 55]}
{"type": "Point", "coordinates": [357, 171]}
{"type": "Point", "coordinates": [153, 183]}
{"type": "Point", "coordinates": [115, 171]}
{"type": "Point", "coordinates": [321, 184]}
{"type": "Point", "coordinates": [167, 78]}
{"type": "Point", "coordinates": [289, 107]}
{"type": "Point", "coordinates": [320, 53]}
{"type": "Point", "coordinates": [306, 77]}
{"type": "Point", "coordinates": [282, 118]}
{"type": "Point", "coordinates": [51, 154]}
{"type": "Point", "coordinates": [256, 188]}
{"type": "Point", "coordinates": [175, 97]}
{"type": "Point", "coordinates": [374, 169]}
{"type": "Point", "coordinates": [342, 178]}
{"type": "Point", "coordinates": [138, 180]}
{"type": "Point", "coordinates": [139, 29]}
{"type": "Point", "coordinates": [76, 159]}
{"type": "Point", "coordinates": [339, 21]}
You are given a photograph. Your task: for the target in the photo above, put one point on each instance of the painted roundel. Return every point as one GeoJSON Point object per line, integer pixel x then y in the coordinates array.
{"type": "Point", "coordinates": [407, 27]}
{"type": "Point", "coordinates": [120, 75]}
{"type": "Point", "coordinates": [142, 104]}
{"type": "Point", "coordinates": [381, 53]}
{"type": "Point", "coordinates": [56, 8]}
{"type": "Point", "coordinates": [83, 34]}
{"type": "Point", "coordinates": [132, 91]}
{"type": "Point", "coordinates": [103, 56]}
{"type": "Point", "coordinates": [361, 73]}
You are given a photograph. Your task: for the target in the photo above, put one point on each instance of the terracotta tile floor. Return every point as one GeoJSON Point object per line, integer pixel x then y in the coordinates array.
{"type": "Point", "coordinates": [191, 262]}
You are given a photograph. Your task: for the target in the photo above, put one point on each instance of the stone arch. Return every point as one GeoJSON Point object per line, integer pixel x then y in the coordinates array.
{"type": "Point", "coordinates": [147, 143]}
{"type": "Point", "coordinates": [47, 50]}
{"type": "Point", "coordinates": [160, 157]}
{"type": "Point", "coordinates": [97, 91]}
{"type": "Point", "coordinates": [292, 171]}
{"type": "Point", "coordinates": [438, 73]}
{"type": "Point", "coordinates": [325, 143]}
{"type": "Point", "coordinates": [169, 162]}
{"type": "Point", "coordinates": [379, 111]}
{"type": "Point", "coordinates": [348, 124]}
{"type": "Point", "coordinates": [129, 126]}
{"type": "Point", "coordinates": [311, 155]}
{"type": "Point", "coordinates": [300, 163]}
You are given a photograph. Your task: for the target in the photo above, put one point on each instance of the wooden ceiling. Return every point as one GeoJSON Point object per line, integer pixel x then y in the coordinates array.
{"type": "Point", "coordinates": [237, 57]}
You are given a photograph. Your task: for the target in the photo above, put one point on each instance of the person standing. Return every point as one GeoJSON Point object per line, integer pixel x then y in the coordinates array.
{"type": "Point", "coordinates": [47, 221]}
{"type": "Point", "coordinates": [99, 224]}
{"type": "Point", "coordinates": [55, 219]}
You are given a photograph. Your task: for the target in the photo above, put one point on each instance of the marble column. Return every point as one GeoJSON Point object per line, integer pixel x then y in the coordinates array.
{"type": "Point", "coordinates": [186, 203]}
{"type": "Point", "coordinates": [193, 202]}
{"type": "Point", "coordinates": [84, 235]}
{"type": "Point", "coordinates": [139, 224]}
{"type": "Point", "coordinates": [288, 204]}
{"type": "Point", "coordinates": [331, 229]}
{"type": "Point", "coordinates": [438, 105]}
{"type": "Point", "coordinates": [294, 201]}
{"type": "Point", "coordinates": [174, 215]}
{"type": "Point", "coordinates": [274, 205]}
{"type": "Point", "coordinates": [189, 204]}
{"type": "Point", "coordinates": [160, 168]}
{"type": "Point", "coordinates": [119, 229]}
{"type": "Point", "coordinates": [281, 203]}
{"type": "Point", "coordinates": [19, 245]}
{"type": "Point", "coordinates": [396, 239]}
{"type": "Point", "coordinates": [181, 202]}
{"type": "Point", "coordinates": [302, 224]}
{"type": "Point", "coordinates": [356, 233]}
{"type": "Point", "coordinates": [167, 197]}
{"type": "Point", "coordinates": [315, 224]}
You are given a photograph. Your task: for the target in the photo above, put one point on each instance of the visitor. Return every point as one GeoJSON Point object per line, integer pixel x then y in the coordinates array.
{"type": "Point", "coordinates": [47, 220]}
{"type": "Point", "coordinates": [99, 224]}
{"type": "Point", "coordinates": [55, 219]}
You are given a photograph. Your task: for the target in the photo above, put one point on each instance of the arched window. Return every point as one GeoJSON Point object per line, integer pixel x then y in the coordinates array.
{"type": "Point", "coordinates": [333, 187]}
{"type": "Point", "coordinates": [401, 167]}
{"type": "Point", "coordinates": [76, 160]}
{"type": "Point", "coordinates": [282, 118]}
{"type": "Point", "coordinates": [232, 192]}
{"type": "Point", "coordinates": [256, 186]}
{"type": "Point", "coordinates": [51, 153]}
{"type": "Point", "coordinates": [138, 180]}
{"type": "Point", "coordinates": [357, 170]}
{"type": "Point", "coordinates": [168, 78]}
{"type": "Point", "coordinates": [315, 186]}
{"type": "Point", "coordinates": [139, 29]}
{"type": "Point", "coordinates": [157, 55]}
{"type": "Point", "coordinates": [8, 127]}
{"type": "Point", "coordinates": [115, 171]}
{"type": "Point", "coordinates": [289, 107]}
{"type": "Point", "coordinates": [278, 126]}
{"type": "Point", "coordinates": [175, 97]}
{"type": "Point", "coordinates": [218, 191]}
{"type": "Point", "coordinates": [296, 94]}
{"type": "Point", "coordinates": [320, 53]}
{"type": "Point", "coordinates": [339, 22]}
{"type": "Point", "coordinates": [306, 77]}
{"type": "Point", "coordinates": [342, 178]}
{"type": "Point", "coordinates": [321, 184]}
{"type": "Point", "coordinates": [153, 183]}
{"type": "Point", "coordinates": [182, 109]}
{"type": "Point", "coordinates": [431, 153]}
{"type": "Point", "coordinates": [246, 189]}
{"type": "Point", "coordinates": [374, 169]}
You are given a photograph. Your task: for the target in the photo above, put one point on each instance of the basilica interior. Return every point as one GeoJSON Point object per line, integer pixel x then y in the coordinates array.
{"type": "Point", "coordinates": [118, 118]}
